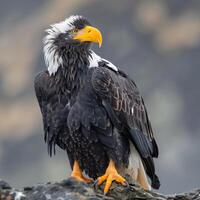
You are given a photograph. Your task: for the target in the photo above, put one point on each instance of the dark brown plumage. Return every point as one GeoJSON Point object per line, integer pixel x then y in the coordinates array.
{"type": "Point", "coordinates": [90, 108]}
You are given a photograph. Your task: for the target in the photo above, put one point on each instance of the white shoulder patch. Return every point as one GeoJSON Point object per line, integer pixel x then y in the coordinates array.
{"type": "Point", "coordinates": [94, 60]}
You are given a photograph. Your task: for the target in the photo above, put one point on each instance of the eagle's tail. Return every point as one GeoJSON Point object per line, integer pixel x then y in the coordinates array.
{"type": "Point", "coordinates": [150, 171]}
{"type": "Point", "coordinates": [142, 177]}
{"type": "Point", "coordinates": [137, 169]}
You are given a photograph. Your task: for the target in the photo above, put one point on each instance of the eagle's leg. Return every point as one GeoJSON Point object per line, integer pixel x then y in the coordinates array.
{"type": "Point", "coordinates": [110, 175]}
{"type": "Point", "coordinates": [77, 173]}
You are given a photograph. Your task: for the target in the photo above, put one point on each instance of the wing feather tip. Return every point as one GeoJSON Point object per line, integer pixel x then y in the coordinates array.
{"type": "Point", "coordinates": [155, 182]}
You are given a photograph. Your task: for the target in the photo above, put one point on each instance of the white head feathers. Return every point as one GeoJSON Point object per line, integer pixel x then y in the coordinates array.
{"type": "Point", "coordinates": [52, 59]}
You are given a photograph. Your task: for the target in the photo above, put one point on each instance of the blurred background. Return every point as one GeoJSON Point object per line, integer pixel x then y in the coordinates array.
{"type": "Point", "coordinates": [156, 42]}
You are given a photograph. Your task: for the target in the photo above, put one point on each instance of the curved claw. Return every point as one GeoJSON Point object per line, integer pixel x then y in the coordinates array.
{"type": "Point", "coordinates": [95, 184]}
{"type": "Point", "coordinates": [110, 176]}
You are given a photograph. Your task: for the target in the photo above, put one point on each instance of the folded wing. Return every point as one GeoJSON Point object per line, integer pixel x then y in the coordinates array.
{"type": "Point", "coordinates": [54, 112]}
{"type": "Point", "coordinates": [128, 113]}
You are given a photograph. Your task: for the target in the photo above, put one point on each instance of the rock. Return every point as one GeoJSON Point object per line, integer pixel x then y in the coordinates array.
{"type": "Point", "coordinates": [4, 185]}
{"type": "Point", "coordinates": [72, 189]}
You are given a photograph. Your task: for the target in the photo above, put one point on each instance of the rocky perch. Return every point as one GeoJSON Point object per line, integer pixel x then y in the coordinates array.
{"type": "Point", "coordinates": [71, 189]}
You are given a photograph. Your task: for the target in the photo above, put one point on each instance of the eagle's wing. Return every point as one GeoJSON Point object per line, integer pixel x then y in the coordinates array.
{"type": "Point", "coordinates": [127, 112]}
{"type": "Point", "coordinates": [54, 112]}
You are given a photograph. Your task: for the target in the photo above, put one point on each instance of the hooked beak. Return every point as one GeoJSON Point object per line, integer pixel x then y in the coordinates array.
{"type": "Point", "coordinates": [89, 34]}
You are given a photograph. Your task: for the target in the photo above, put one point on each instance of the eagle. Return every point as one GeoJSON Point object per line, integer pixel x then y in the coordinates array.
{"type": "Point", "coordinates": [93, 110]}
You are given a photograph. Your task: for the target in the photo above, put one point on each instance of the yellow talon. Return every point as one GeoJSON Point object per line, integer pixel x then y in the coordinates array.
{"type": "Point", "coordinates": [77, 173]}
{"type": "Point", "coordinates": [110, 176]}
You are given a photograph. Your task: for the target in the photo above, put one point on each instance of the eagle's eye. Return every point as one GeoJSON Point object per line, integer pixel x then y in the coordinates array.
{"type": "Point", "coordinates": [73, 31]}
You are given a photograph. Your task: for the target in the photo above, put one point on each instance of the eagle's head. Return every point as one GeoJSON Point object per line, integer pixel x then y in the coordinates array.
{"type": "Point", "coordinates": [74, 34]}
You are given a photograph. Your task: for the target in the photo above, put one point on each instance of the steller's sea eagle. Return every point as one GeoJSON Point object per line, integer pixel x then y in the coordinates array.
{"type": "Point", "coordinates": [93, 110]}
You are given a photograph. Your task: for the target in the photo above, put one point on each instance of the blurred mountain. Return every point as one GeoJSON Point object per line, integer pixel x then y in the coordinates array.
{"type": "Point", "coordinates": [156, 42]}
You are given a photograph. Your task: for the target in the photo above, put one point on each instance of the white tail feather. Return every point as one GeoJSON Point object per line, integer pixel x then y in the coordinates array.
{"type": "Point", "coordinates": [136, 169]}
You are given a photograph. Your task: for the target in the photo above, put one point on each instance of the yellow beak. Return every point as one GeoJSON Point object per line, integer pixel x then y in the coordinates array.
{"type": "Point", "coordinates": [89, 34]}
